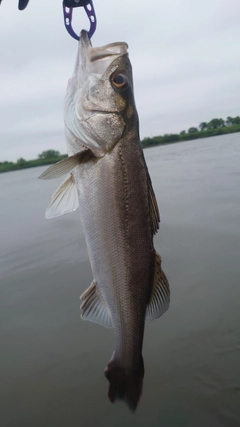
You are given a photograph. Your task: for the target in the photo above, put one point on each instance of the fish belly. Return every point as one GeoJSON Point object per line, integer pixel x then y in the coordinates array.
{"type": "Point", "coordinates": [113, 199]}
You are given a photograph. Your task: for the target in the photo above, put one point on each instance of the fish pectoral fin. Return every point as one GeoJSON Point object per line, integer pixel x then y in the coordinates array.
{"type": "Point", "coordinates": [66, 165]}
{"type": "Point", "coordinates": [154, 211]}
{"type": "Point", "coordinates": [94, 307]}
{"type": "Point", "coordinates": [64, 200]}
{"type": "Point", "coordinates": [160, 298]}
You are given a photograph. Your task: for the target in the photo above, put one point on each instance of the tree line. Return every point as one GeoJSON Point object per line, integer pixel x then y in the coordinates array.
{"type": "Point", "coordinates": [216, 124]}
{"type": "Point", "coordinates": [204, 130]}
{"type": "Point", "coordinates": [45, 158]}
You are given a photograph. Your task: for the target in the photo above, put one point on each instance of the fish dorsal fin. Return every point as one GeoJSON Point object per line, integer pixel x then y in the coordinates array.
{"type": "Point", "coordinates": [94, 307]}
{"type": "Point", "coordinates": [160, 297]}
{"type": "Point", "coordinates": [154, 211]}
{"type": "Point", "coordinates": [66, 165]}
{"type": "Point", "coordinates": [64, 200]}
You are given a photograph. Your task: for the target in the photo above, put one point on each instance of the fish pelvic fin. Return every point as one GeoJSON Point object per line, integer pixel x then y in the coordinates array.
{"type": "Point", "coordinates": [160, 297]}
{"type": "Point", "coordinates": [66, 165]}
{"type": "Point", "coordinates": [125, 384]}
{"type": "Point", "coordinates": [64, 200]}
{"type": "Point", "coordinates": [94, 308]}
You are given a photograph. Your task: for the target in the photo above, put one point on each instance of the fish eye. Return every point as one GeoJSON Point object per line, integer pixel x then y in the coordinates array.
{"type": "Point", "coordinates": [120, 81]}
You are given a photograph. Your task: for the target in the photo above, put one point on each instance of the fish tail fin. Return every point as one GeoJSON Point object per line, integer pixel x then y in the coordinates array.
{"type": "Point", "coordinates": [125, 384]}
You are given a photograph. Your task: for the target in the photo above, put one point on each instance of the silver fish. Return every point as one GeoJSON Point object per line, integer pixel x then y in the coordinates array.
{"type": "Point", "coordinates": [109, 181]}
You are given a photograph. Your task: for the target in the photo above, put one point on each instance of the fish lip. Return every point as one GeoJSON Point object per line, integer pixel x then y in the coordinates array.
{"type": "Point", "coordinates": [87, 54]}
{"type": "Point", "coordinates": [84, 41]}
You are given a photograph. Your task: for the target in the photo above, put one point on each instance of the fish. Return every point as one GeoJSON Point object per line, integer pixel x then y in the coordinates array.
{"type": "Point", "coordinates": [108, 180]}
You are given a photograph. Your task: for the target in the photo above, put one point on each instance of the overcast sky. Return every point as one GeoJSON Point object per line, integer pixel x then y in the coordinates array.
{"type": "Point", "coordinates": [185, 57]}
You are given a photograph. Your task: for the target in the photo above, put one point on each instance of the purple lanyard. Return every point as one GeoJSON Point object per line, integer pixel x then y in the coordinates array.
{"type": "Point", "coordinates": [89, 9]}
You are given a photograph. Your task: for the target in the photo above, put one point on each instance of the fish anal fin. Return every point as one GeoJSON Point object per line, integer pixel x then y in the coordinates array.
{"type": "Point", "coordinates": [64, 200]}
{"type": "Point", "coordinates": [94, 308]}
{"type": "Point", "coordinates": [66, 165]}
{"type": "Point", "coordinates": [160, 297]}
{"type": "Point", "coordinates": [153, 206]}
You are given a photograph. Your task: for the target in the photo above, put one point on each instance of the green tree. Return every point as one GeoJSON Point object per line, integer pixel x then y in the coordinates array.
{"type": "Point", "coordinates": [183, 132]}
{"type": "Point", "coordinates": [229, 121]}
{"type": "Point", "coordinates": [21, 161]}
{"type": "Point", "coordinates": [216, 123]}
{"type": "Point", "coordinates": [236, 120]}
{"type": "Point", "coordinates": [221, 123]}
{"type": "Point", "coordinates": [48, 154]}
{"type": "Point", "coordinates": [192, 130]}
{"type": "Point", "coordinates": [203, 126]}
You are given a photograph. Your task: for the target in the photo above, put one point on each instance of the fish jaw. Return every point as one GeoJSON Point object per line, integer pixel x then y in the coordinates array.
{"type": "Point", "coordinates": [95, 112]}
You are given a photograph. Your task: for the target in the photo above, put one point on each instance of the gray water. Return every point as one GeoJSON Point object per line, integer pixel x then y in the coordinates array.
{"type": "Point", "coordinates": [52, 362]}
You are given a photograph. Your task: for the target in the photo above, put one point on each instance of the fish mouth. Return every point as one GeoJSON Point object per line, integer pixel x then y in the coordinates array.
{"type": "Point", "coordinates": [84, 41]}
{"type": "Point", "coordinates": [116, 48]}
{"type": "Point", "coordinates": [97, 59]}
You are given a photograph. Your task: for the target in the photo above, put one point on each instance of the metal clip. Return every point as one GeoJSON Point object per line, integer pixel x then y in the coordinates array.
{"type": "Point", "coordinates": [89, 9]}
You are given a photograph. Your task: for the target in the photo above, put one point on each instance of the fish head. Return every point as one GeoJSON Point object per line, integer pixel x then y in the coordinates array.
{"type": "Point", "coordinates": [99, 104]}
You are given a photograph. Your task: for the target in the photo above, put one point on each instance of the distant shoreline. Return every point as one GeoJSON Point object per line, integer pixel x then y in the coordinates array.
{"type": "Point", "coordinates": [146, 143]}
{"type": "Point", "coordinates": [26, 164]}
{"type": "Point", "coordinates": [173, 138]}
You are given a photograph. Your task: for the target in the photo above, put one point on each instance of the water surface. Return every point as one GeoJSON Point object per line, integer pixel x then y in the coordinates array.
{"type": "Point", "coordinates": [52, 362]}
